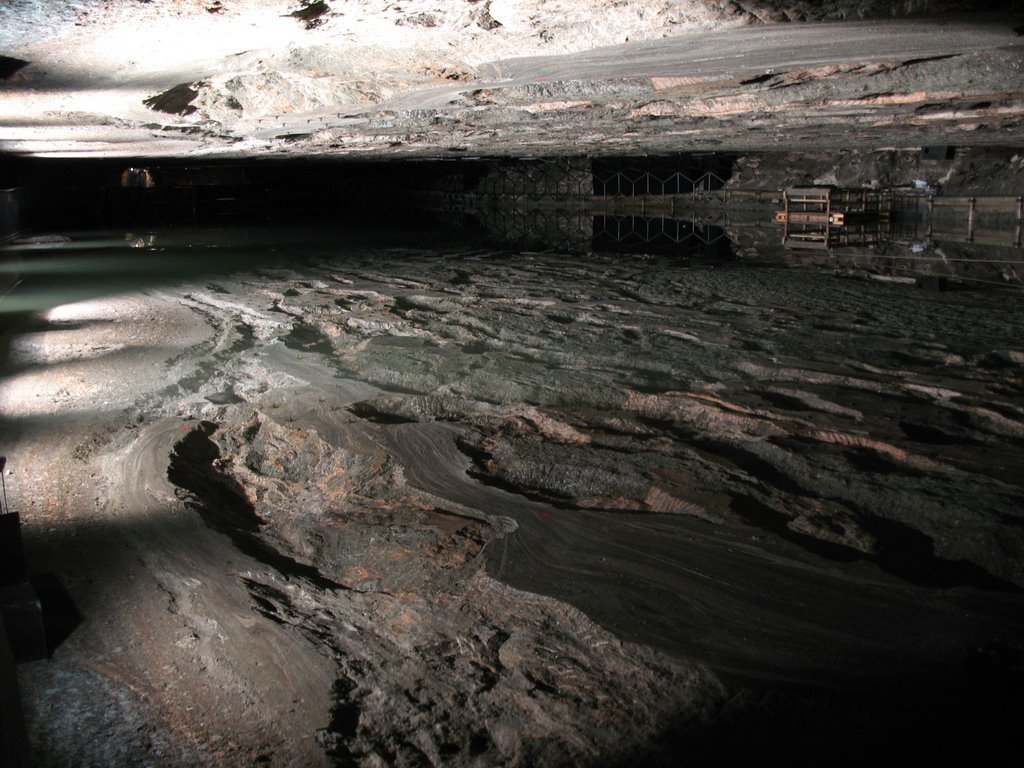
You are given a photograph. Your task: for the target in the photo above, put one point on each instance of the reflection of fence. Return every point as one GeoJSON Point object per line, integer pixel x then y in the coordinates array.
{"type": "Point", "coordinates": [682, 205]}
{"type": "Point", "coordinates": [895, 231]}
{"type": "Point", "coordinates": [630, 230]}
{"type": "Point", "coordinates": [976, 240]}
{"type": "Point", "coordinates": [822, 217]}
{"type": "Point", "coordinates": [533, 203]}
{"type": "Point", "coordinates": [568, 203]}
{"type": "Point", "coordinates": [634, 206]}
{"type": "Point", "coordinates": [580, 230]}
{"type": "Point", "coordinates": [537, 228]}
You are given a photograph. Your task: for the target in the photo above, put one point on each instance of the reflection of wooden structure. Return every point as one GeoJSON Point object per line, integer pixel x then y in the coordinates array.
{"type": "Point", "coordinates": [807, 217]}
{"type": "Point", "coordinates": [821, 218]}
{"type": "Point", "coordinates": [981, 220]}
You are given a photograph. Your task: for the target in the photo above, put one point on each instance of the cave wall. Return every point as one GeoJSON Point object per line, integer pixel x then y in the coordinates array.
{"type": "Point", "coordinates": [780, 11]}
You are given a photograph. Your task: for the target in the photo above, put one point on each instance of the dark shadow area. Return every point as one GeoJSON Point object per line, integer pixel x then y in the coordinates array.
{"type": "Point", "coordinates": [969, 722]}
{"type": "Point", "coordinates": [12, 553]}
{"type": "Point", "coordinates": [9, 65]}
{"type": "Point", "coordinates": [101, 193]}
{"type": "Point", "coordinates": [343, 726]}
{"type": "Point", "coordinates": [764, 614]}
{"type": "Point", "coordinates": [60, 615]}
{"type": "Point", "coordinates": [902, 551]}
{"type": "Point", "coordinates": [676, 238]}
{"type": "Point", "coordinates": [10, 217]}
{"type": "Point", "coordinates": [175, 101]}
{"type": "Point", "coordinates": [949, 712]}
{"type": "Point", "coordinates": [20, 609]}
{"type": "Point", "coordinates": [14, 747]}
{"type": "Point", "coordinates": [311, 13]}
{"type": "Point", "coordinates": [19, 324]}
{"type": "Point", "coordinates": [37, 612]}
{"type": "Point", "coordinates": [910, 554]}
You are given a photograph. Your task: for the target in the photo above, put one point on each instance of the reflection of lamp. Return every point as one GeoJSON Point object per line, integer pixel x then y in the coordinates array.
{"type": "Point", "coordinates": [137, 177]}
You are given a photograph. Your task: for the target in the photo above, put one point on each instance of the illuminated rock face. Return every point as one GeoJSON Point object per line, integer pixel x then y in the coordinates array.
{"type": "Point", "coordinates": [374, 79]}
{"type": "Point", "coordinates": [433, 656]}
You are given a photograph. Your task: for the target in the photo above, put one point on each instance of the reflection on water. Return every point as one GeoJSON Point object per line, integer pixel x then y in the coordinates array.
{"type": "Point", "coordinates": [677, 207]}
{"type": "Point", "coordinates": [49, 270]}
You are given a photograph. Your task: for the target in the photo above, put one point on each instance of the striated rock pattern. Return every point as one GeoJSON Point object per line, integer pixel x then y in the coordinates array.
{"type": "Point", "coordinates": [783, 475]}
{"type": "Point", "coordinates": [715, 393]}
{"type": "Point", "coordinates": [436, 662]}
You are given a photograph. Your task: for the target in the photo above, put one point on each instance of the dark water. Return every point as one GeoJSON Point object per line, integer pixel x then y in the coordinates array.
{"type": "Point", "coordinates": [45, 270]}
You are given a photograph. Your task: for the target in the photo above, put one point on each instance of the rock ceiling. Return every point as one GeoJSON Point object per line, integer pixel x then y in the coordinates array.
{"type": "Point", "coordinates": [498, 77]}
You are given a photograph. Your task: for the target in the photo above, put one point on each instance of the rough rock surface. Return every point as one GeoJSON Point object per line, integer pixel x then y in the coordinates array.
{"type": "Point", "coordinates": [437, 663]}
{"type": "Point", "coordinates": [649, 398]}
{"type": "Point", "coordinates": [290, 535]}
{"type": "Point", "coordinates": [371, 78]}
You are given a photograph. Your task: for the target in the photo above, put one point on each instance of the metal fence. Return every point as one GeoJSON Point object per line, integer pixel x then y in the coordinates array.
{"type": "Point", "coordinates": [639, 182]}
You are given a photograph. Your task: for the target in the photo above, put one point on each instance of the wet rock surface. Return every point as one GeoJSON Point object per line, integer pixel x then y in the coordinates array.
{"type": "Point", "coordinates": [702, 392]}
{"type": "Point", "coordinates": [476, 507]}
